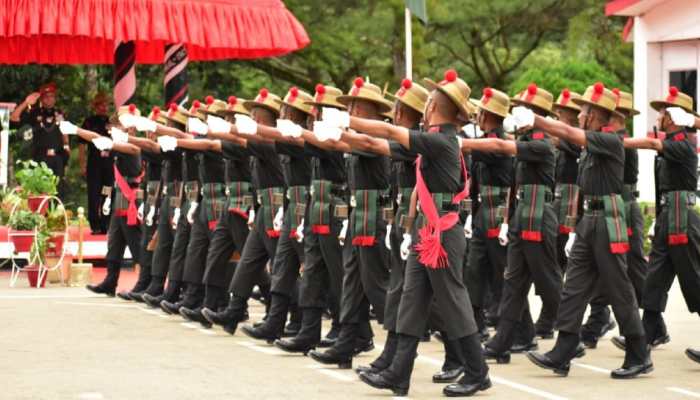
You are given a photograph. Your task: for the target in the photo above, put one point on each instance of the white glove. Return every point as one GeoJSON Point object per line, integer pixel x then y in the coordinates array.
{"type": "Point", "coordinates": [140, 212]}
{"type": "Point", "coordinates": [118, 135]}
{"type": "Point", "coordinates": [288, 128]}
{"type": "Point", "coordinates": [149, 217]}
{"type": "Point", "coordinates": [251, 218]}
{"type": "Point", "coordinates": [300, 231]}
{"type": "Point", "coordinates": [218, 125]}
{"type": "Point", "coordinates": [176, 217]}
{"type": "Point", "coordinates": [509, 124]}
{"type": "Point", "coordinates": [343, 232]}
{"type": "Point", "coordinates": [503, 235]}
{"type": "Point", "coordinates": [128, 120]}
{"type": "Point", "coordinates": [246, 125]}
{"type": "Point", "coordinates": [67, 128]}
{"type": "Point", "coordinates": [387, 238]}
{"type": "Point", "coordinates": [522, 117]}
{"type": "Point", "coordinates": [196, 126]}
{"type": "Point", "coordinates": [336, 118]}
{"type": "Point", "coordinates": [167, 143]}
{"type": "Point", "coordinates": [191, 211]}
{"type": "Point", "coordinates": [103, 143]}
{"type": "Point", "coordinates": [405, 246]}
{"type": "Point", "coordinates": [650, 234]}
{"type": "Point", "coordinates": [569, 244]}
{"type": "Point", "coordinates": [278, 220]}
{"type": "Point", "coordinates": [681, 117]}
{"type": "Point", "coordinates": [106, 206]}
{"type": "Point", "coordinates": [468, 227]}
{"type": "Point", "coordinates": [144, 124]}
{"type": "Point", "coordinates": [324, 131]}
{"type": "Point", "coordinates": [472, 131]}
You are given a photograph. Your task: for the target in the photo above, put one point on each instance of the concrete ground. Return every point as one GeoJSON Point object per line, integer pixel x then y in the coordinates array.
{"type": "Point", "coordinates": [66, 343]}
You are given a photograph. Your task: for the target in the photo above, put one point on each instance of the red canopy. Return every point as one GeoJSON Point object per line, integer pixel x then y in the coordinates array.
{"type": "Point", "coordinates": [85, 31]}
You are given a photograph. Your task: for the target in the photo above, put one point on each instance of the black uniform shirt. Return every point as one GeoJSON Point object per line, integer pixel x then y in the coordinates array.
{"type": "Point", "coordinates": [45, 133]}
{"type": "Point", "coordinates": [368, 171]}
{"type": "Point", "coordinates": [190, 166]}
{"type": "Point", "coordinates": [326, 164]}
{"type": "Point", "coordinates": [267, 171]}
{"type": "Point", "coordinates": [153, 164]}
{"type": "Point", "coordinates": [677, 163]}
{"type": "Point", "coordinates": [296, 165]}
{"type": "Point", "coordinates": [403, 166]}
{"type": "Point", "coordinates": [96, 158]}
{"type": "Point", "coordinates": [129, 165]}
{"type": "Point", "coordinates": [567, 162]}
{"type": "Point", "coordinates": [211, 167]}
{"type": "Point", "coordinates": [440, 161]}
{"type": "Point", "coordinates": [238, 166]}
{"type": "Point", "coordinates": [172, 166]}
{"type": "Point", "coordinates": [631, 162]}
{"type": "Point", "coordinates": [492, 169]}
{"type": "Point", "coordinates": [601, 169]}
{"type": "Point", "coordinates": [535, 160]}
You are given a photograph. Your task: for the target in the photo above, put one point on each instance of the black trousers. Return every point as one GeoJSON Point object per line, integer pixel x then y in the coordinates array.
{"type": "Point", "coordinates": [166, 238]}
{"type": "Point", "coordinates": [487, 262]}
{"type": "Point", "coordinates": [666, 262]}
{"type": "Point", "coordinates": [99, 174]}
{"type": "Point", "coordinates": [288, 258]}
{"type": "Point", "coordinates": [229, 236]}
{"type": "Point", "coordinates": [443, 286]}
{"type": "Point", "coordinates": [121, 235]}
{"type": "Point", "coordinates": [258, 250]}
{"type": "Point", "coordinates": [591, 263]}
{"type": "Point", "coordinates": [176, 271]}
{"type": "Point", "coordinates": [396, 278]}
{"type": "Point", "coordinates": [365, 276]}
{"type": "Point", "coordinates": [197, 248]}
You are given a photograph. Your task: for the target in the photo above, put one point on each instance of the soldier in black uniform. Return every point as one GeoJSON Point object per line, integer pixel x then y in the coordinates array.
{"type": "Point", "coordinates": [566, 195]}
{"type": "Point", "coordinates": [48, 144]}
{"type": "Point", "coordinates": [599, 320]}
{"type": "Point", "coordinates": [434, 265]}
{"type": "Point", "coordinates": [675, 250]}
{"type": "Point", "coordinates": [97, 166]}
{"type": "Point", "coordinates": [532, 230]}
{"type": "Point", "coordinates": [365, 258]}
{"type": "Point", "coordinates": [598, 253]}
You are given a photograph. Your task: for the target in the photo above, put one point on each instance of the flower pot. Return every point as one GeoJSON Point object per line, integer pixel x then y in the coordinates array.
{"type": "Point", "coordinates": [34, 203]}
{"type": "Point", "coordinates": [22, 240]}
{"type": "Point", "coordinates": [33, 276]}
{"type": "Point", "coordinates": [55, 244]}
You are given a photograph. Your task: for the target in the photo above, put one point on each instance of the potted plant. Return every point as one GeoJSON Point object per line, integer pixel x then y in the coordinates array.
{"type": "Point", "coordinates": [23, 224]}
{"type": "Point", "coordinates": [37, 256]}
{"type": "Point", "coordinates": [37, 182]}
{"type": "Point", "coordinates": [56, 226]}
{"type": "Point", "coordinates": [10, 201]}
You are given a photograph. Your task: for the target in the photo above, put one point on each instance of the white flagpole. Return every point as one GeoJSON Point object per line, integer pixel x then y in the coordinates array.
{"type": "Point", "coordinates": [409, 45]}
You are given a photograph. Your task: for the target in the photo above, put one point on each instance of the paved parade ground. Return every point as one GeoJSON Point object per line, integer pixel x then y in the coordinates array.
{"type": "Point", "coordinates": [66, 343]}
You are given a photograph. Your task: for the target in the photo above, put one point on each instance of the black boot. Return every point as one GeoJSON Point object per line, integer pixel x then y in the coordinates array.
{"type": "Point", "coordinates": [230, 316]}
{"type": "Point", "coordinates": [193, 299]}
{"type": "Point", "coordinates": [309, 334]}
{"type": "Point", "coordinates": [273, 327]}
{"type": "Point", "coordinates": [693, 354]}
{"type": "Point", "coordinates": [342, 351]}
{"type": "Point", "coordinates": [453, 366]}
{"type": "Point", "coordinates": [655, 328]}
{"type": "Point", "coordinates": [141, 285]}
{"type": "Point", "coordinates": [294, 324]}
{"type": "Point", "coordinates": [384, 360]}
{"type": "Point", "coordinates": [154, 289]}
{"type": "Point", "coordinates": [559, 358]}
{"type": "Point", "coordinates": [171, 294]}
{"type": "Point", "coordinates": [363, 340]}
{"type": "Point", "coordinates": [498, 348]}
{"type": "Point", "coordinates": [524, 334]}
{"type": "Point", "coordinates": [397, 376]}
{"type": "Point", "coordinates": [109, 284]}
{"type": "Point", "coordinates": [476, 372]}
{"type": "Point", "coordinates": [637, 359]}
{"type": "Point", "coordinates": [331, 336]}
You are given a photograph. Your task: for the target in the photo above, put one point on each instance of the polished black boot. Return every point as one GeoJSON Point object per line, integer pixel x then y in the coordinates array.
{"type": "Point", "coordinates": [453, 366]}
{"type": "Point", "coordinates": [342, 351]}
{"type": "Point", "coordinates": [141, 285]}
{"type": "Point", "coordinates": [559, 358]}
{"type": "Point", "coordinates": [309, 334]}
{"type": "Point", "coordinates": [524, 337]}
{"type": "Point", "coordinates": [195, 315]}
{"type": "Point", "coordinates": [498, 348]}
{"type": "Point", "coordinates": [331, 336]}
{"type": "Point", "coordinates": [637, 359]}
{"type": "Point", "coordinates": [273, 327]}
{"type": "Point", "coordinates": [476, 372]}
{"type": "Point", "coordinates": [693, 354]}
{"type": "Point", "coordinates": [109, 284]}
{"type": "Point", "coordinates": [294, 324]}
{"type": "Point", "coordinates": [230, 316]}
{"type": "Point", "coordinates": [397, 376]}
{"type": "Point", "coordinates": [384, 360]}
{"type": "Point", "coordinates": [154, 289]}
{"type": "Point", "coordinates": [193, 299]}
{"type": "Point", "coordinates": [364, 339]}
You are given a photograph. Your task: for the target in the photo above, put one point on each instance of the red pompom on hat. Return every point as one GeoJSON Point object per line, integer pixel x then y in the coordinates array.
{"type": "Point", "coordinates": [232, 100]}
{"type": "Point", "coordinates": [487, 94]}
{"type": "Point", "coordinates": [263, 93]}
{"type": "Point", "coordinates": [450, 75]}
{"type": "Point", "coordinates": [173, 108]}
{"type": "Point", "coordinates": [566, 93]}
{"type": "Point", "coordinates": [294, 91]}
{"type": "Point", "coordinates": [672, 94]}
{"type": "Point", "coordinates": [155, 110]}
{"type": "Point", "coordinates": [532, 89]}
{"type": "Point", "coordinates": [320, 89]}
{"type": "Point", "coordinates": [132, 108]}
{"type": "Point", "coordinates": [209, 99]}
{"type": "Point", "coordinates": [530, 93]}
{"type": "Point", "coordinates": [359, 82]}
{"type": "Point", "coordinates": [406, 83]}
{"type": "Point", "coordinates": [598, 89]}
{"type": "Point", "coordinates": [196, 104]}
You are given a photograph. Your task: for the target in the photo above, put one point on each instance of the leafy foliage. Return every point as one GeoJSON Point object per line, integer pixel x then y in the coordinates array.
{"type": "Point", "coordinates": [36, 178]}
{"type": "Point", "coordinates": [25, 220]}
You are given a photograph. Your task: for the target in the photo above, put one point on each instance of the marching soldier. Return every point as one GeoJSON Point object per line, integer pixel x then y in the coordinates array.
{"type": "Point", "coordinates": [98, 165]}
{"type": "Point", "coordinates": [598, 252]}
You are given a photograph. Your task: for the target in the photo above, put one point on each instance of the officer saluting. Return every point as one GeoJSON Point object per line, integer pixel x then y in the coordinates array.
{"type": "Point", "coordinates": [48, 144]}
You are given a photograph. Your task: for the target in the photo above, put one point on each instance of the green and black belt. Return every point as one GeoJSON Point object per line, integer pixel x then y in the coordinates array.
{"type": "Point", "coordinates": [678, 204]}
{"type": "Point", "coordinates": [613, 209]}
{"type": "Point", "coordinates": [214, 202]}
{"type": "Point", "coordinates": [532, 201]}
{"type": "Point", "coordinates": [296, 208]}
{"type": "Point", "coordinates": [240, 198]}
{"type": "Point", "coordinates": [270, 200]}
{"type": "Point", "coordinates": [364, 216]}
{"type": "Point", "coordinates": [567, 194]}
{"type": "Point", "coordinates": [491, 198]}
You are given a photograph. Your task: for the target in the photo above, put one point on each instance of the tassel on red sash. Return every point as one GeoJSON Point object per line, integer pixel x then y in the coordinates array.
{"type": "Point", "coordinates": [132, 214]}
{"type": "Point", "coordinates": [677, 239]}
{"type": "Point", "coordinates": [531, 236]}
{"type": "Point", "coordinates": [364, 241]}
{"type": "Point", "coordinates": [321, 229]}
{"type": "Point", "coordinates": [563, 229]}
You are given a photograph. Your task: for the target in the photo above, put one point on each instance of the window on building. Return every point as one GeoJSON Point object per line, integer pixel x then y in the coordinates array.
{"type": "Point", "coordinates": [686, 82]}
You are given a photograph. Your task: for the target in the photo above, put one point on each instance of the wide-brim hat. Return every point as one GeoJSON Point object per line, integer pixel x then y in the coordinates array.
{"type": "Point", "coordinates": [327, 96]}
{"type": "Point", "coordinates": [412, 95]}
{"type": "Point", "coordinates": [597, 95]}
{"type": "Point", "coordinates": [130, 109]}
{"type": "Point", "coordinates": [157, 115]}
{"type": "Point", "coordinates": [299, 100]}
{"type": "Point", "coordinates": [536, 97]}
{"type": "Point", "coordinates": [213, 106]}
{"type": "Point", "coordinates": [566, 101]}
{"type": "Point", "coordinates": [265, 99]}
{"type": "Point", "coordinates": [177, 114]}
{"type": "Point", "coordinates": [366, 91]}
{"type": "Point", "coordinates": [625, 102]}
{"type": "Point", "coordinates": [493, 101]}
{"type": "Point", "coordinates": [234, 106]}
{"type": "Point", "coordinates": [675, 98]}
{"type": "Point", "coordinates": [455, 89]}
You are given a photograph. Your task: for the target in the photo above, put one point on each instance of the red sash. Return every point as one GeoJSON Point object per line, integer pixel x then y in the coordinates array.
{"type": "Point", "coordinates": [431, 253]}
{"type": "Point", "coordinates": [132, 214]}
